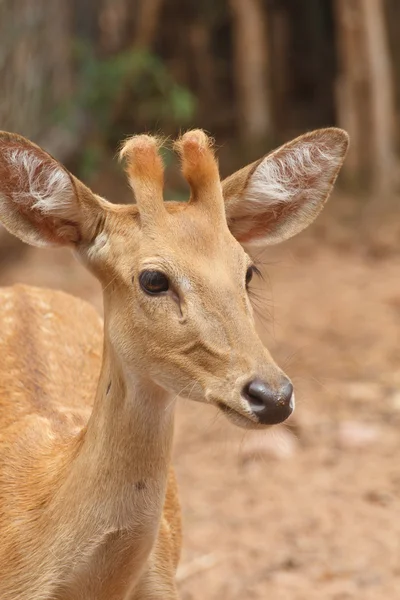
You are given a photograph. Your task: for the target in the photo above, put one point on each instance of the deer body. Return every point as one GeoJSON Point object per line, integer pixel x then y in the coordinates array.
{"type": "Point", "coordinates": [88, 501]}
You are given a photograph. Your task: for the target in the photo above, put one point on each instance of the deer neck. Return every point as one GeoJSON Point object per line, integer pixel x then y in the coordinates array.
{"type": "Point", "coordinates": [111, 498]}
{"type": "Point", "coordinates": [122, 458]}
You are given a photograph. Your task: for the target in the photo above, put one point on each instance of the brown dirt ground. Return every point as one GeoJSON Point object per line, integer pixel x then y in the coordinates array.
{"type": "Point", "coordinates": [312, 510]}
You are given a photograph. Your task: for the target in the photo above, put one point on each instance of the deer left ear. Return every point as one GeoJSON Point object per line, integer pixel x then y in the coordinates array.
{"type": "Point", "coordinates": [40, 201]}
{"type": "Point", "coordinates": [276, 197]}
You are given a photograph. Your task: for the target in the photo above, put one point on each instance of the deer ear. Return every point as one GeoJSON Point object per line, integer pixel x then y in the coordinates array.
{"type": "Point", "coordinates": [40, 201]}
{"type": "Point", "coordinates": [276, 197]}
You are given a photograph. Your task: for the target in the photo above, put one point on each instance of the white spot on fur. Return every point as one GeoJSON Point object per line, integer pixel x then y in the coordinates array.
{"type": "Point", "coordinates": [99, 244]}
{"type": "Point", "coordinates": [184, 284]}
{"type": "Point", "coordinates": [44, 183]}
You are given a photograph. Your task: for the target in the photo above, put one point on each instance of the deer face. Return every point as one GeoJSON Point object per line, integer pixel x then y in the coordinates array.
{"type": "Point", "coordinates": [178, 311]}
{"type": "Point", "coordinates": [176, 275]}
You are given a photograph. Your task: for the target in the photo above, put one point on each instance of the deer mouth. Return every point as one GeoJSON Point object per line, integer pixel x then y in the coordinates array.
{"type": "Point", "coordinates": [246, 421]}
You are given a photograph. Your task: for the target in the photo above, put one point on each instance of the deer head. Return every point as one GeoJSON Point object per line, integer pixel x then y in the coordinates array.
{"type": "Point", "coordinates": [175, 275]}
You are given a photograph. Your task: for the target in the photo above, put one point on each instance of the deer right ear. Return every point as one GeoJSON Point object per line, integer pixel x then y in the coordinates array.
{"type": "Point", "coordinates": [40, 201]}
{"type": "Point", "coordinates": [276, 197]}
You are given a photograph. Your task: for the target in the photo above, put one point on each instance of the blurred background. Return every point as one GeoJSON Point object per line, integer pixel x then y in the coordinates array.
{"type": "Point", "coordinates": [310, 510]}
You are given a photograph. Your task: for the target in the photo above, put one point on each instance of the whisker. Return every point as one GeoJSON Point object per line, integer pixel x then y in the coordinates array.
{"type": "Point", "coordinates": [289, 358]}
{"type": "Point", "coordinates": [191, 390]}
{"type": "Point", "coordinates": [110, 282]}
{"type": "Point", "coordinates": [179, 393]}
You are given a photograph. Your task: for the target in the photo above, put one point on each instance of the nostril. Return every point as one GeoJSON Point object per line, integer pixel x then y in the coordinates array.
{"type": "Point", "coordinates": [270, 406]}
{"type": "Point", "coordinates": [258, 394]}
{"type": "Point", "coordinates": [286, 394]}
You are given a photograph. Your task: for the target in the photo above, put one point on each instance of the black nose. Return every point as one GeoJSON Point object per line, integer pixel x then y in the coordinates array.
{"type": "Point", "coordinates": [270, 406]}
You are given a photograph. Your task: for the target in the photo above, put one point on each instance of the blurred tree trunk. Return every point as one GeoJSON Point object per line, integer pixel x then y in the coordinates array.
{"type": "Point", "coordinates": [279, 28]}
{"type": "Point", "coordinates": [251, 69]}
{"type": "Point", "coordinates": [393, 22]}
{"type": "Point", "coordinates": [147, 21]}
{"type": "Point", "coordinates": [203, 64]}
{"type": "Point", "coordinates": [365, 92]}
{"type": "Point", "coordinates": [86, 23]}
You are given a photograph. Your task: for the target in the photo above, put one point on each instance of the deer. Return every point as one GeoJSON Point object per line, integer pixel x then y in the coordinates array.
{"type": "Point", "coordinates": [89, 507]}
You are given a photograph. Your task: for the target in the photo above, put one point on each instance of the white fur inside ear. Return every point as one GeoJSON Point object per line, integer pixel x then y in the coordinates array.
{"type": "Point", "coordinates": [43, 186]}
{"type": "Point", "coordinates": [305, 168]}
{"type": "Point", "coordinates": [99, 246]}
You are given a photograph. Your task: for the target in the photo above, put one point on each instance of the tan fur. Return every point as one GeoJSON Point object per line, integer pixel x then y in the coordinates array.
{"type": "Point", "coordinates": [145, 171]}
{"type": "Point", "coordinates": [88, 501]}
{"type": "Point", "coordinates": [200, 169]}
{"type": "Point", "coordinates": [37, 422]}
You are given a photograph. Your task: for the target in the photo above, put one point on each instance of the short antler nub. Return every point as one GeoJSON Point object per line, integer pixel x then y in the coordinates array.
{"type": "Point", "coordinates": [199, 166]}
{"type": "Point", "coordinates": [145, 170]}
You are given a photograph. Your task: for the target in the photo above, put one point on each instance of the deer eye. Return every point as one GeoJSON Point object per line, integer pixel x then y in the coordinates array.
{"type": "Point", "coordinates": [153, 282]}
{"type": "Point", "coordinates": [249, 275]}
{"type": "Point", "coordinates": [250, 272]}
